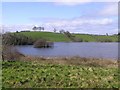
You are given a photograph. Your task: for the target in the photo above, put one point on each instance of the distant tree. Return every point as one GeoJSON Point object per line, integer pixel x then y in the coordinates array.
{"type": "Point", "coordinates": [39, 28]}
{"type": "Point", "coordinates": [62, 31]}
{"type": "Point", "coordinates": [34, 28]}
{"type": "Point", "coordinates": [106, 34]}
{"type": "Point", "coordinates": [42, 28]}
{"type": "Point", "coordinates": [68, 34]}
{"type": "Point", "coordinates": [55, 30]}
{"type": "Point", "coordinates": [119, 33]}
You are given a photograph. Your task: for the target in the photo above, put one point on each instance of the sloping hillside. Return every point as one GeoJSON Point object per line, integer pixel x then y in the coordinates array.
{"type": "Point", "coordinates": [55, 37]}
{"type": "Point", "coordinates": [58, 37]}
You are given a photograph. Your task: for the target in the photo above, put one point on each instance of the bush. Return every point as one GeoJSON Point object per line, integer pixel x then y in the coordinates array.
{"type": "Point", "coordinates": [85, 40]}
{"type": "Point", "coordinates": [16, 39]}
{"type": "Point", "coordinates": [10, 53]}
{"type": "Point", "coordinates": [78, 39]}
{"type": "Point", "coordinates": [42, 43]}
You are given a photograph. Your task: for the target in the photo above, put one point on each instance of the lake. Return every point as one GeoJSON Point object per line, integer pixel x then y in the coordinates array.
{"type": "Point", "coordinates": [82, 49]}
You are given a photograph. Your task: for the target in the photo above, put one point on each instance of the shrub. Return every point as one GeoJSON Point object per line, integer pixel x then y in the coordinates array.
{"type": "Point", "coordinates": [16, 39]}
{"type": "Point", "coordinates": [78, 39]}
{"type": "Point", "coordinates": [42, 43]}
{"type": "Point", "coordinates": [10, 53]}
{"type": "Point", "coordinates": [85, 40]}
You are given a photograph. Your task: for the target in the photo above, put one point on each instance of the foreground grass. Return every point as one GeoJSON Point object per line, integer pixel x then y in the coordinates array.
{"type": "Point", "coordinates": [30, 74]}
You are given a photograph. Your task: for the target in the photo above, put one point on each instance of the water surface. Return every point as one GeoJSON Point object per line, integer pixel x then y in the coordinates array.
{"type": "Point", "coordinates": [83, 49]}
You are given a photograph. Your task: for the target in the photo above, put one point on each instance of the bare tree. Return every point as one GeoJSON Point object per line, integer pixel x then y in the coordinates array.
{"type": "Point", "coordinates": [55, 30]}
{"type": "Point", "coordinates": [42, 28]}
{"type": "Point", "coordinates": [106, 34]}
{"type": "Point", "coordinates": [62, 31]}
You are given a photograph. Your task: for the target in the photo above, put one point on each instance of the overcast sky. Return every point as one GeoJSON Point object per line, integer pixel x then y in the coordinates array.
{"type": "Point", "coordinates": [87, 17]}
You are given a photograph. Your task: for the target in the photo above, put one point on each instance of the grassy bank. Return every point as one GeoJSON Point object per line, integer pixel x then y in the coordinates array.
{"type": "Point", "coordinates": [57, 37]}
{"type": "Point", "coordinates": [60, 73]}
{"type": "Point", "coordinates": [97, 38]}
{"type": "Point", "coordinates": [54, 37]}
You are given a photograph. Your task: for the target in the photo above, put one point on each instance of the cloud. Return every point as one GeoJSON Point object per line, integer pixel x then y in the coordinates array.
{"type": "Point", "coordinates": [59, 0]}
{"type": "Point", "coordinates": [110, 10]}
{"type": "Point", "coordinates": [94, 23]}
{"type": "Point", "coordinates": [80, 21]}
{"type": "Point", "coordinates": [79, 2]}
{"type": "Point", "coordinates": [81, 25]}
{"type": "Point", "coordinates": [13, 28]}
{"type": "Point", "coordinates": [75, 25]}
{"type": "Point", "coordinates": [72, 2]}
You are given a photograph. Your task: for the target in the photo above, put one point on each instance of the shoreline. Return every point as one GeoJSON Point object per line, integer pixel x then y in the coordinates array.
{"type": "Point", "coordinates": [95, 62]}
{"type": "Point", "coordinates": [70, 57]}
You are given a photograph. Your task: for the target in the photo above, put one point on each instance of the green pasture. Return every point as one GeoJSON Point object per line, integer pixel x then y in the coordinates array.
{"type": "Point", "coordinates": [58, 37]}
{"type": "Point", "coordinates": [32, 74]}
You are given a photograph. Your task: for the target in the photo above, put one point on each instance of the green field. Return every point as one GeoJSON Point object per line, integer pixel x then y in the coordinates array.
{"type": "Point", "coordinates": [32, 74]}
{"type": "Point", "coordinates": [57, 37]}
{"type": "Point", "coordinates": [97, 38]}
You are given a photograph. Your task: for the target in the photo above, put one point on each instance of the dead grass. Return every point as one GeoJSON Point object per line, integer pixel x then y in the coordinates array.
{"type": "Point", "coordinates": [96, 62]}
{"type": "Point", "coordinates": [10, 54]}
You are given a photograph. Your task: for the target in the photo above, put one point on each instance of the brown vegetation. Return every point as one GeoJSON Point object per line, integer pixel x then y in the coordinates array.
{"type": "Point", "coordinates": [96, 62]}
{"type": "Point", "coordinates": [41, 43]}
{"type": "Point", "coordinates": [73, 38]}
{"type": "Point", "coordinates": [11, 54]}
{"type": "Point", "coordinates": [16, 39]}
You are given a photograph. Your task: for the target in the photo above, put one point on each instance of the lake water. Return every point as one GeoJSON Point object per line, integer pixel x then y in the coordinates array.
{"type": "Point", "coordinates": [83, 49]}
